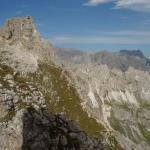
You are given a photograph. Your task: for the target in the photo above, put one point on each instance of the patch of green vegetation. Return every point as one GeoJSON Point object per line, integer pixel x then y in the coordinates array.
{"type": "Point", "coordinates": [21, 81]}
{"type": "Point", "coordinates": [122, 105]}
{"type": "Point", "coordinates": [124, 129]}
{"type": "Point", "coordinates": [116, 124]}
{"type": "Point", "coordinates": [8, 117]}
{"type": "Point", "coordinates": [12, 113]}
{"type": "Point", "coordinates": [130, 135]}
{"type": "Point", "coordinates": [4, 83]}
{"type": "Point", "coordinates": [4, 70]}
{"type": "Point", "coordinates": [22, 105]}
{"type": "Point", "coordinates": [144, 132]}
{"type": "Point", "coordinates": [114, 144]}
{"type": "Point", "coordinates": [107, 103]}
{"type": "Point", "coordinates": [145, 105]}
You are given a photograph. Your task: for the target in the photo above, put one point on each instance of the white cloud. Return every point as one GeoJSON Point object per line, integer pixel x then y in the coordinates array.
{"type": "Point", "coordinates": [116, 37]}
{"type": "Point", "coordinates": [96, 2]}
{"type": "Point", "coordinates": [138, 5]}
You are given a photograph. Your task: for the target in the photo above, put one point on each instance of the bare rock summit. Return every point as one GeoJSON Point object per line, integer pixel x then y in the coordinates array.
{"type": "Point", "coordinates": [21, 46]}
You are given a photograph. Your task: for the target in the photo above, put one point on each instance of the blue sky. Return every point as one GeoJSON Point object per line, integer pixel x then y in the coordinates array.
{"type": "Point", "coordinates": [87, 24]}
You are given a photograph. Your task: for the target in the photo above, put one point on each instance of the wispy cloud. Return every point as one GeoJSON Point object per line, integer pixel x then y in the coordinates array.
{"type": "Point", "coordinates": [96, 2]}
{"type": "Point", "coordinates": [123, 33]}
{"type": "Point", "coordinates": [116, 37]}
{"type": "Point", "coordinates": [130, 33]}
{"type": "Point", "coordinates": [137, 5]}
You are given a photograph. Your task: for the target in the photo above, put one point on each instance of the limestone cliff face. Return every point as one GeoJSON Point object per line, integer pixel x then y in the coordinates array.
{"type": "Point", "coordinates": [20, 30]}
{"type": "Point", "coordinates": [21, 44]}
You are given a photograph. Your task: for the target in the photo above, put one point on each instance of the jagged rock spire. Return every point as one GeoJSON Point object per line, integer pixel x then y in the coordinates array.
{"type": "Point", "coordinates": [20, 30]}
{"type": "Point", "coordinates": [20, 42]}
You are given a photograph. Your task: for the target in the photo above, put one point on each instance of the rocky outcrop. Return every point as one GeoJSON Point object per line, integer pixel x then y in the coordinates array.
{"type": "Point", "coordinates": [16, 92]}
{"type": "Point", "coordinates": [20, 30]}
{"type": "Point", "coordinates": [45, 131]}
{"type": "Point", "coordinates": [11, 128]}
{"type": "Point", "coordinates": [21, 46]}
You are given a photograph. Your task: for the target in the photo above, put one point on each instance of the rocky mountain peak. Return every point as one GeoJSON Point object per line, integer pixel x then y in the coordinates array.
{"type": "Point", "coordinates": [20, 30]}
{"type": "Point", "coordinates": [137, 53]}
{"type": "Point", "coordinates": [21, 45]}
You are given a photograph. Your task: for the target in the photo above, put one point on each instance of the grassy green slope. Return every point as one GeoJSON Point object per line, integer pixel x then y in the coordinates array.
{"type": "Point", "coordinates": [60, 97]}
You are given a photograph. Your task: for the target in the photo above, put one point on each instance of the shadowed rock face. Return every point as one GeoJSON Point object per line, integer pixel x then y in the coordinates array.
{"type": "Point", "coordinates": [45, 131]}
{"type": "Point", "coordinates": [137, 53]}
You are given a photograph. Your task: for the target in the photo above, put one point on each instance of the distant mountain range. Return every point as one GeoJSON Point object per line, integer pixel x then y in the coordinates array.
{"type": "Point", "coordinates": [121, 60]}
{"type": "Point", "coordinates": [137, 53]}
